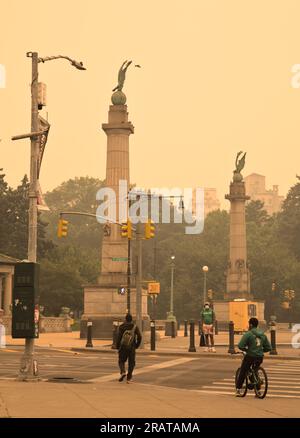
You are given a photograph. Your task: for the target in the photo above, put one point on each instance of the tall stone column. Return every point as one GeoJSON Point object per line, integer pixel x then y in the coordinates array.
{"type": "Point", "coordinates": [238, 274]}
{"type": "Point", "coordinates": [118, 130]}
{"type": "Point", "coordinates": [7, 294]}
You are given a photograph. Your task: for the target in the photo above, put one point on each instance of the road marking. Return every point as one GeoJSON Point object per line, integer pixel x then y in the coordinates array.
{"type": "Point", "coordinates": [10, 351]}
{"type": "Point", "coordinates": [147, 369]}
{"type": "Point", "coordinates": [271, 384]}
{"type": "Point", "coordinates": [232, 394]}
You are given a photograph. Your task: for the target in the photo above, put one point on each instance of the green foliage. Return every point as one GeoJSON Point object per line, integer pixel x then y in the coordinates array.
{"type": "Point", "coordinates": [289, 220]}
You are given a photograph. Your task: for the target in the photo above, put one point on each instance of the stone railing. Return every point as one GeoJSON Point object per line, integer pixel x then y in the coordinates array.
{"type": "Point", "coordinates": [48, 324]}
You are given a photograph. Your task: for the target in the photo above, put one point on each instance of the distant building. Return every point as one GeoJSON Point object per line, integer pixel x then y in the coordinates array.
{"type": "Point", "coordinates": [211, 201]}
{"type": "Point", "coordinates": [256, 188]}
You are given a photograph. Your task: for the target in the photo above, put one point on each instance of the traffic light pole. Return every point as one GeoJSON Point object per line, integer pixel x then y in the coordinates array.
{"type": "Point", "coordinates": [139, 320]}
{"type": "Point", "coordinates": [128, 276]}
{"type": "Point", "coordinates": [27, 368]}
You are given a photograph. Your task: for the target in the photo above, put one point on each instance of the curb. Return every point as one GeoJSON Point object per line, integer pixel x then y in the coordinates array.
{"type": "Point", "coordinates": [183, 354]}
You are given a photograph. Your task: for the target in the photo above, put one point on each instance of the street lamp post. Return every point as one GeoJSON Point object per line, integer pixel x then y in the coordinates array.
{"type": "Point", "coordinates": [27, 360]}
{"type": "Point", "coordinates": [171, 313]}
{"type": "Point", "coordinates": [205, 270]}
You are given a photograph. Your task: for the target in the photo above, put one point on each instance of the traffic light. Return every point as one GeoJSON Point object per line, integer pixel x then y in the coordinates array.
{"type": "Point", "coordinates": [62, 229]}
{"type": "Point", "coordinates": [210, 294]}
{"type": "Point", "coordinates": [126, 229]}
{"type": "Point", "coordinates": [273, 286]}
{"type": "Point", "coordinates": [292, 294]}
{"type": "Point", "coordinates": [149, 229]}
{"type": "Point", "coordinates": [287, 294]}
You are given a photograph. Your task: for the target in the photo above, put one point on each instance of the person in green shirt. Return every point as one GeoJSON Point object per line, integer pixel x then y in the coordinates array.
{"type": "Point", "coordinates": [207, 323]}
{"type": "Point", "coordinates": [255, 343]}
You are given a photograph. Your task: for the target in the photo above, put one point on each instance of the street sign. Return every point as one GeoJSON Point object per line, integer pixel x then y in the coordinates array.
{"type": "Point", "coordinates": [25, 308]}
{"type": "Point", "coordinates": [119, 259]}
{"type": "Point", "coordinates": [154, 288]}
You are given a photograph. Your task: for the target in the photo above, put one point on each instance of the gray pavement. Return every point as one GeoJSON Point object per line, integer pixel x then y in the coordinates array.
{"type": "Point", "coordinates": [169, 382]}
{"type": "Point", "coordinates": [164, 386]}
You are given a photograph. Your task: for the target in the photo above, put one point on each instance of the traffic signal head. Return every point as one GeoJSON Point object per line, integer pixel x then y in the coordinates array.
{"type": "Point", "coordinates": [62, 229]}
{"type": "Point", "coordinates": [149, 229]}
{"type": "Point", "coordinates": [273, 286]}
{"type": "Point", "coordinates": [210, 294]}
{"type": "Point", "coordinates": [126, 229]}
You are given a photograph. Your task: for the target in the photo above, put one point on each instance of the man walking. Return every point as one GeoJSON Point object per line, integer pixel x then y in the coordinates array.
{"type": "Point", "coordinates": [129, 339]}
{"type": "Point", "coordinates": [208, 322]}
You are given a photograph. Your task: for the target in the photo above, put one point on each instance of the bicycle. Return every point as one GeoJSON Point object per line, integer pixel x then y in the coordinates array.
{"type": "Point", "coordinates": [255, 379]}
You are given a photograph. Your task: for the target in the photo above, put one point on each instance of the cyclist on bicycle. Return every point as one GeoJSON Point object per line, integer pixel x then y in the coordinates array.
{"type": "Point", "coordinates": [255, 343]}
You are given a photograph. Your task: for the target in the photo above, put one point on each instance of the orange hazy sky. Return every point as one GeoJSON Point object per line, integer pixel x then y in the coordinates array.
{"type": "Point", "coordinates": [215, 79]}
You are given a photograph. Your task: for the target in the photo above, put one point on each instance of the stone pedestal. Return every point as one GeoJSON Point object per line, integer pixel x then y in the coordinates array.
{"type": "Point", "coordinates": [103, 306]}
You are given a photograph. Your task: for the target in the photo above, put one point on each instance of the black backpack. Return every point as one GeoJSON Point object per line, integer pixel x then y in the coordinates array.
{"type": "Point", "coordinates": [128, 339]}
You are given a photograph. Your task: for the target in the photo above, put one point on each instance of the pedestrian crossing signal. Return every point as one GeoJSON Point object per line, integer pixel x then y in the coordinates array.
{"type": "Point", "coordinates": [149, 229]}
{"type": "Point", "coordinates": [62, 229]}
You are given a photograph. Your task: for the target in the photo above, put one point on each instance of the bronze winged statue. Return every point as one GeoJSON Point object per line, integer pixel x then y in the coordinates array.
{"type": "Point", "coordinates": [121, 75]}
{"type": "Point", "coordinates": [240, 163]}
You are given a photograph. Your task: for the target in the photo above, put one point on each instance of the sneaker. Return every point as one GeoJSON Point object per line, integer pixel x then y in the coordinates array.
{"type": "Point", "coordinates": [206, 349]}
{"type": "Point", "coordinates": [129, 381]}
{"type": "Point", "coordinates": [122, 377]}
{"type": "Point", "coordinates": [239, 393]}
{"type": "Point", "coordinates": [213, 350]}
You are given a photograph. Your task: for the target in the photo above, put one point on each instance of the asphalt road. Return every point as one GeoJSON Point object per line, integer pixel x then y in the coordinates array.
{"type": "Point", "coordinates": [206, 375]}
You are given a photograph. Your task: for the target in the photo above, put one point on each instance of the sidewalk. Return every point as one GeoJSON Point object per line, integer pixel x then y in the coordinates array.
{"type": "Point", "coordinates": [115, 400]}
{"type": "Point", "coordinates": [165, 345]}
{"type": "Point", "coordinates": [58, 340]}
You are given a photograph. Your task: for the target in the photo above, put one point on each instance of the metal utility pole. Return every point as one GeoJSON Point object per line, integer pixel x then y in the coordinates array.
{"type": "Point", "coordinates": [172, 287]}
{"type": "Point", "coordinates": [129, 276]}
{"type": "Point", "coordinates": [27, 369]}
{"type": "Point", "coordinates": [139, 320]}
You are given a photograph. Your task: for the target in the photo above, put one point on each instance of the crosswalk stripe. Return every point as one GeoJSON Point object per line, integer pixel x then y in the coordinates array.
{"type": "Point", "coordinates": [161, 365]}
{"type": "Point", "coordinates": [270, 391]}
{"type": "Point", "coordinates": [271, 384]}
{"type": "Point", "coordinates": [232, 393]}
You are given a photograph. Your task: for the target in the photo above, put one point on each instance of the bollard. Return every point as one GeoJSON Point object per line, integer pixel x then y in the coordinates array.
{"type": "Point", "coordinates": [192, 337]}
{"type": "Point", "coordinates": [273, 338]}
{"type": "Point", "coordinates": [216, 328]}
{"type": "Point", "coordinates": [231, 349]}
{"type": "Point", "coordinates": [89, 342]}
{"type": "Point", "coordinates": [152, 334]}
{"type": "Point", "coordinates": [199, 327]}
{"type": "Point", "coordinates": [178, 325]}
{"type": "Point", "coordinates": [173, 335]}
{"type": "Point", "coordinates": [115, 334]}
{"type": "Point", "coordinates": [185, 328]}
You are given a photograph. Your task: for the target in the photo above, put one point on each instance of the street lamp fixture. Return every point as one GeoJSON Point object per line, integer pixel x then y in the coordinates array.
{"type": "Point", "coordinates": [205, 271]}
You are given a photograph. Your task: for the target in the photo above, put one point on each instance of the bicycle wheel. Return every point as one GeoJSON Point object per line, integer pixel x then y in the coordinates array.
{"type": "Point", "coordinates": [261, 388]}
{"type": "Point", "coordinates": [245, 384]}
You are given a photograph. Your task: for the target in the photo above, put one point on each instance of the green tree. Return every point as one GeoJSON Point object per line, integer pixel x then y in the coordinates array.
{"type": "Point", "coordinates": [289, 220]}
